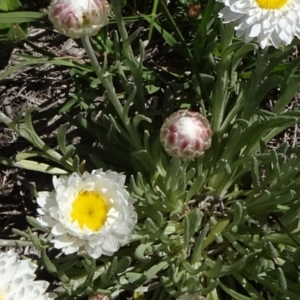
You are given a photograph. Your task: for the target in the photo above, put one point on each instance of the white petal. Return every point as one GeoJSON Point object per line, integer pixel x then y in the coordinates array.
{"type": "Point", "coordinates": [274, 26]}
{"type": "Point", "coordinates": [58, 229]}
{"type": "Point", "coordinates": [17, 279]}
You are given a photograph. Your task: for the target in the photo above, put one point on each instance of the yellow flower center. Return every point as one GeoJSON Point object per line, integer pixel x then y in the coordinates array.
{"type": "Point", "coordinates": [90, 210]}
{"type": "Point", "coordinates": [271, 4]}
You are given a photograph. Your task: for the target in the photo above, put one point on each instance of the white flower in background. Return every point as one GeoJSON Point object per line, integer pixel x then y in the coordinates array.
{"type": "Point", "coordinates": [77, 18]}
{"type": "Point", "coordinates": [271, 22]}
{"type": "Point", "coordinates": [17, 279]}
{"type": "Point", "coordinates": [91, 212]}
{"type": "Point", "coordinates": [185, 134]}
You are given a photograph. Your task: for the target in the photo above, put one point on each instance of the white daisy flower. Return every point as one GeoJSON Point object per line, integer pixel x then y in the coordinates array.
{"type": "Point", "coordinates": [92, 212]}
{"type": "Point", "coordinates": [271, 22]}
{"type": "Point", "coordinates": [17, 279]}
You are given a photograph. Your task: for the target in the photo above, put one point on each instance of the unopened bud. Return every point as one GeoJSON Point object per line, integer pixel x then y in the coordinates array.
{"type": "Point", "coordinates": [77, 18]}
{"type": "Point", "coordinates": [185, 134]}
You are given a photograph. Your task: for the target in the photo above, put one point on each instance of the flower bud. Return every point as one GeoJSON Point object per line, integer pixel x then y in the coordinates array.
{"type": "Point", "coordinates": [185, 134]}
{"type": "Point", "coordinates": [77, 18]}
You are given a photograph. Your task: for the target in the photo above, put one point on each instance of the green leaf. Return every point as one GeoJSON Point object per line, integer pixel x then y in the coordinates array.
{"type": "Point", "coordinates": [61, 138]}
{"type": "Point", "coordinates": [282, 285]}
{"type": "Point", "coordinates": [291, 214]}
{"type": "Point", "coordinates": [20, 17]}
{"type": "Point", "coordinates": [35, 240]}
{"type": "Point", "coordinates": [123, 264]}
{"type": "Point", "coordinates": [237, 215]}
{"type": "Point", "coordinates": [197, 185]}
{"type": "Point", "coordinates": [7, 5]}
{"type": "Point", "coordinates": [90, 267]}
{"type": "Point", "coordinates": [241, 52]}
{"type": "Point", "coordinates": [123, 3]}
{"type": "Point", "coordinates": [140, 252]}
{"type": "Point", "coordinates": [235, 295]}
{"type": "Point", "coordinates": [196, 269]}
{"type": "Point", "coordinates": [216, 268]}
{"type": "Point", "coordinates": [217, 229]}
{"type": "Point", "coordinates": [289, 91]}
{"type": "Point", "coordinates": [135, 277]}
{"type": "Point", "coordinates": [271, 250]}
{"type": "Point", "coordinates": [35, 61]}
{"type": "Point", "coordinates": [150, 274]}
{"type": "Point", "coordinates": [108, 274]}
{"type": "Point", "coordinates": [233, 268]}
{"type": "Point", "coordinates": [213, 283]}
{"type": "Point", "coordinates": [255, 172]}
{"type": "Point", "coordinates": [131, 38]}
{"type": "Point", "coordinates": [50, 267]}
{"type": "Point", "coordinates": [190, 225]}
{"type": "Point", "coordinates": [151, 227]}
{"type": "Point", "coordinates": [139, 118]}
{"type": "Point", "coordinates": [151, 89]}
{"type": "Point", "coordinates": [197, 252]}
{"type": "Point", "coordinates": [34, 223]}
{"type": "Point", "coordinates": [17, 32]}
{"type": "Point", "coordinates": [33, 165]}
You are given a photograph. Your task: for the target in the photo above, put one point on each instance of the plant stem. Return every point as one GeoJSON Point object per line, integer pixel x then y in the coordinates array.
{"type": "Point", "coordinates": [102, 76]}
{"type": "Point", "coordinates": [135, 66]}
{"type": "Point", "coordinates": [104, 79]}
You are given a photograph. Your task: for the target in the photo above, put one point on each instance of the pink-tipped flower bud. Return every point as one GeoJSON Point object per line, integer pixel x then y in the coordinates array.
{"type": "Point", "coordinates": [77, 18]}
{"type": "Point", "coordinates": [185, 134]}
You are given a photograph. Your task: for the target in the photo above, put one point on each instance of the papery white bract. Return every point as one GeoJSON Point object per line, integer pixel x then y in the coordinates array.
{"type": "Point", "coordinates": [92, 212]}
{"type": "Point", "coordinates": [270, 22]}
{"type": "Point", "coordinates": [17, 279]}
{"type": "Point", "coordinates": [77, 18]}
{"type": "Point", "coordinates": [185, 134]}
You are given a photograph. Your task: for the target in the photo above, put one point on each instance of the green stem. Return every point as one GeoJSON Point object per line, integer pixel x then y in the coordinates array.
{"type": "Point", "coordinates": [116, 5]}
{"type": "Point", "coordinates": [104, 79]}
{"type": "Point", "coordinates": [131, 61]}
{"type": "Point", "coordinates": [102, 76]}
